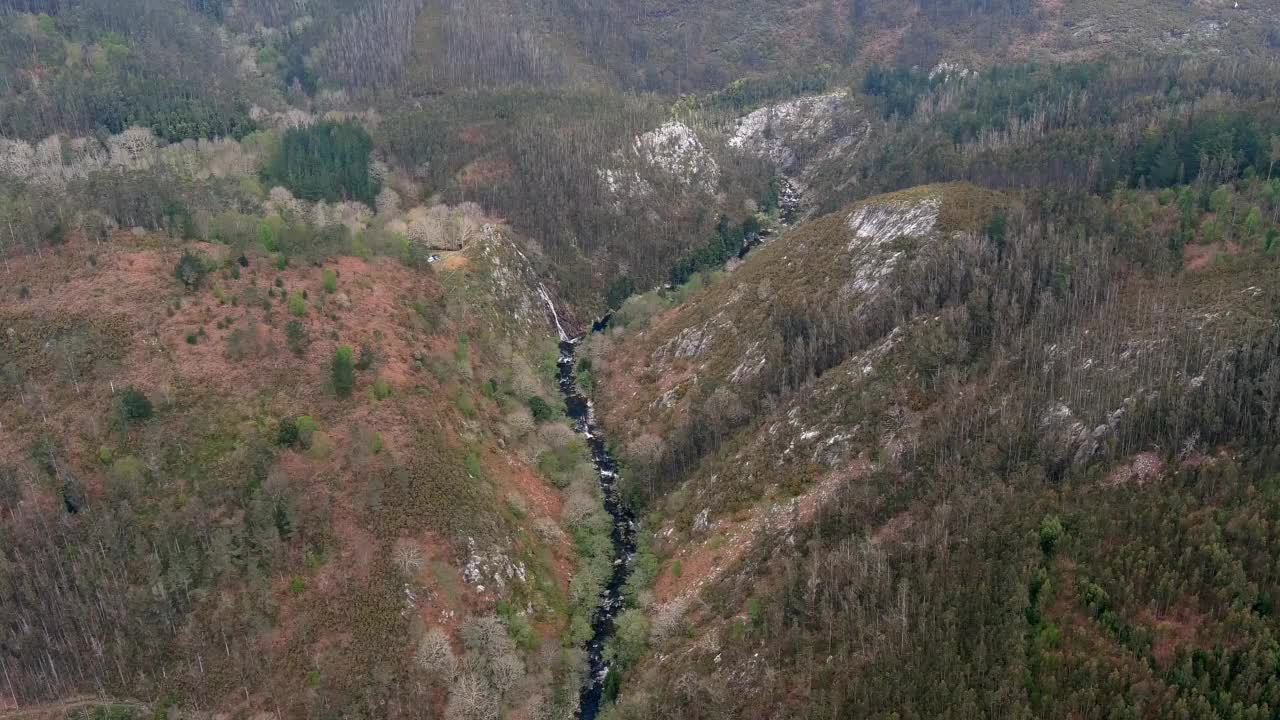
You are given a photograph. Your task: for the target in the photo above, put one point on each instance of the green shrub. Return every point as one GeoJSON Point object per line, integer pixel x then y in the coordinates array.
{"type": "Point", "coordinates": [381, 389]}
{"type": "Point", "coordinates": [297, 304]}
{"type": "Point", "coordinates": [621, 289]}
{"type": "Point", "coordinates": [586, 381]}
{"type": "Point", "coordinates": [287, 435]}
{"type": "Point", "coordinates": [269, 234]}
{"type": "Point", "coordinates": [307, 426]}
{"type": "Point", "coordinates": [1051, 532]}
{"type": "Point", "coordinates": [344, 371]}
{"type": "Point", "coordinates": [520, 630]}
{"type": "Point", "coordinates": [135, 404]}
{"type": "Point", "coordinates": [297, 432]}
{"type": "Point", "coordinates": [639, 310]}
{"type": "Point", "coordinates": [630, 639]}
{"type": "Point", "coordinates": [560, 464]}
{"type": "Point", "coordinates": [1049, 636]}
{"type": "Point", "coordinates": [541, 409]}
{"type": "Point", "coordinates": [330, 279]}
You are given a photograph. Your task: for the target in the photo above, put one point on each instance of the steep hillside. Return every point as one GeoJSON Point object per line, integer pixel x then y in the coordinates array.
{"type": "Point", "coordinates": [884, 461]}
{"type": "Point", "coordinates": [237, 483]}
{"type": "Point", "coordinates": [759, 330]}
{"type": "Point", "coordinates": [938, 372]}
{"type": "Point", "coordinates": [677, 47]}
{"type": "Point", "coordinates": [757, 386]}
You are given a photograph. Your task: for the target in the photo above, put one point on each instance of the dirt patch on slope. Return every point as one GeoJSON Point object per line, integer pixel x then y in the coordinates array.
{"type": "Point", "coordinates": [1200, 257]}
{"type": "Point", "coordinates": [1174, 630]}
{"type": "Point", "coordinates": [488, 170]}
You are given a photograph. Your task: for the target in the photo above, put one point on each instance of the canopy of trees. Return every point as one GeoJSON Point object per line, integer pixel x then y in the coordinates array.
{"type": "Point", "coordinates": [325, 161]}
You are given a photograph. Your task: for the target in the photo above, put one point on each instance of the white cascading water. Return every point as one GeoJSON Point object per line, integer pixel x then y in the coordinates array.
{"type": "Point", "coordinates": [542, 290]}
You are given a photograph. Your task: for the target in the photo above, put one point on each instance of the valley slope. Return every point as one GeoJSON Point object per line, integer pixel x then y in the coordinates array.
{"type": "Point", "coordinates": [940, 360]}
{"type": "Point", "coordinates": [944, 452]}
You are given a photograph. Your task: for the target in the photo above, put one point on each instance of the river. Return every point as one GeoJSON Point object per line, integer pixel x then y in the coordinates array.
{"type": "Point", "coordinates": [623, 533]}
{"type": "Point", "coordinates": [624, 530]}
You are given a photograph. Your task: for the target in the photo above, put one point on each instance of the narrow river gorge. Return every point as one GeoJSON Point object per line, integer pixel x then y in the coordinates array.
{"type": "Point", "coordinates": [623, 534]}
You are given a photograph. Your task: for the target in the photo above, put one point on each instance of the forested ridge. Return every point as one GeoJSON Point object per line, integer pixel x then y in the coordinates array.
{"type": "Point", "coordinates": [941, 357]}
{"type": "Point", "coordinates": [906, 486]}
{"type": "Point", "coordinates": [526, 131]}
{"type": "Point", "coordinates": [973, 560]}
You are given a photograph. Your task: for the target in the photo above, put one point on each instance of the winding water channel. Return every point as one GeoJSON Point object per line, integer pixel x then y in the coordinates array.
{"type": "Point", "coordinates": [624, 530]}
{"type": "Point", "coordinates": [623, 533]}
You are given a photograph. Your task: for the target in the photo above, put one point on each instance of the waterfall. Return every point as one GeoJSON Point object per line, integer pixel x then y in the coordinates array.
{"type": "Point", "coordinates": [542, 290]}
{"type": "Point", "coordinates": [490, 233]}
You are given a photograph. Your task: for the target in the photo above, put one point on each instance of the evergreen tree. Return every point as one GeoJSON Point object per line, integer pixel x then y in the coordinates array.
{"type": "Point", "coordinates": [326, 161]}
{"type": "Point", "coordinates": [343, 371]}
